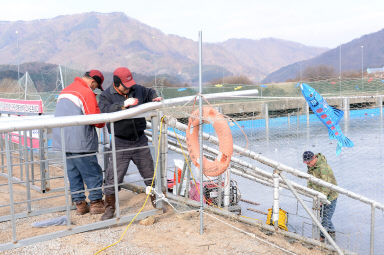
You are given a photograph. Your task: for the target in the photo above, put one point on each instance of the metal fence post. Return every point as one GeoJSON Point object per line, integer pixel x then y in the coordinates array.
{"type": "Point", "coordinates": [27, 181]}
{"type": "Point", "coordinates": [306, 106]}
{"type": "Point", "coordinates": [100, 148]}
{"type": "Point", "coordinates": [188, 164]}
{"type": "Point", "coordinates": [289, 119]}
{"type": "Point", "coordinates": [314, 219]}
{"type": "Point", "coordinates": [316, 210]}
{"type": "Point", "coordinates": [114, 164]}
{"type": "Point", "coordinates": [66, 191]}
{"type": "Point", "coordinates": [155, 143]}
{"type": "Point", "coordinates": [266, 117]}
{"type": "Point", "coordinates": [346, 108]}
{"type": "Point", "coordinates": [10, 186]}
{"type": "Point", "coordinates": [227, 188]}
{"type": "Point", "coordinates": [372, 236]}
{"type": "Point", "coordinates": [276, 207]}
{"type": "Point", "coordinates": [21, 156]}
{"type": "Point", "coordinates": [298, 118]}
{"type": "Point", "coordinates": [10, 149]}
{"type": "Point", "coordinates": [43, 161]}
{"type": "Point", "coordinates": [106, 147]}
{"type": "Point", "coordinates": [31, 156]}
{"type": "Point", "coordinates": [2, 144]}
{"type": "Point", "coordinates": [46, 162]}
{"type": "Point", "coordinates": [182, 177]}
{"type": "Point", "coordinates": [220, 193]}
{"type": "Point", "coordinates": [163, 153]}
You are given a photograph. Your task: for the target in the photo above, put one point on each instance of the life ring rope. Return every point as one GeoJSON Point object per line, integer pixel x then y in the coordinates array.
{"type": "Point", "coordinates": [223, 131]}
{"type": "Point", "coordinates": [233, 121]}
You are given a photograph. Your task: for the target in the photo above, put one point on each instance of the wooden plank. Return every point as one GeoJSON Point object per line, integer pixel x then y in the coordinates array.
{"type": "Point", "coordinates": [249, 202]}
{"type": "Point", "coordinates": [257, 211]}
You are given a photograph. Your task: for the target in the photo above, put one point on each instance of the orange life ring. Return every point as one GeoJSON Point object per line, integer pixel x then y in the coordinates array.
{"type": "Point", "coordinates": [220, 124]}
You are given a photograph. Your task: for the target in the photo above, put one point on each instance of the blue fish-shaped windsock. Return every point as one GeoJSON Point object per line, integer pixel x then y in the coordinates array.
{"type": "Point", "coordinates": [329, 115]}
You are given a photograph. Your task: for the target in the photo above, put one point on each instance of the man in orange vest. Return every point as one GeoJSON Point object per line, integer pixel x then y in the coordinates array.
{"type": "Point", "coordinates": [79, 99]}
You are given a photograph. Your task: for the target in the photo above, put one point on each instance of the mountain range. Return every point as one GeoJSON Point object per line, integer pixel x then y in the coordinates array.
{"type": "Point", "coordinates": [361, 53]}
{"type": "Point", "coordinates": [109, 40]}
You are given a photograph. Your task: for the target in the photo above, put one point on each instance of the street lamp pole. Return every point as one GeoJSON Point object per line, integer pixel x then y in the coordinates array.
{"type": "Point", "coordinates": [153, 41]}
{"type": "Point", "coordinates": [362, 66]}
{"type": "Point", "coordinates": [340, 69]}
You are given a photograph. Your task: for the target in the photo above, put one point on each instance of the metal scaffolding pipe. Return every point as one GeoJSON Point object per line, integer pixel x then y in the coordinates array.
{"type": "Point", "coordinates": [251, 222]}
{"type": "Point", "coordinates": [254, 175]}
{"type": "Point", "coordinates": [276, 207]}
{"type": "Point", "coordinates": [201, 131]}
{"type": "Point", "coordinates": [372, 234]}
{"type": "Point", "coordinates": [255, 170]}
{"type": "Point", "coordinates": [38, 122]}
{"type": "Point", "coordinates": [314, 219]}
{"type": "Point", "coordinates": [279, 166]}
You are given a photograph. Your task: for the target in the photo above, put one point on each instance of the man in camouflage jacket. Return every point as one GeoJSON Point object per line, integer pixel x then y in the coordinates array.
{"type": "Point", "coordinates": [318, 167]}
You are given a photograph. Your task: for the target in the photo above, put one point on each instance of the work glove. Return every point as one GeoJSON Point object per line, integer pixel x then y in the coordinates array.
{"type": "Point", "coordinates": [131, 102]}
{"type": "Point", "coordinates": [157, 99]}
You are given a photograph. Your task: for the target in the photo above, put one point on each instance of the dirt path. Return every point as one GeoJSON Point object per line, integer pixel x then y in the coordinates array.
{"type": "Point", "coordinates": [170, 233]}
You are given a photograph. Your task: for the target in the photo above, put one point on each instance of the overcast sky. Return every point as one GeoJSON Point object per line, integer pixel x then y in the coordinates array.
{"type": "Point", "coordinates": [325, 23]}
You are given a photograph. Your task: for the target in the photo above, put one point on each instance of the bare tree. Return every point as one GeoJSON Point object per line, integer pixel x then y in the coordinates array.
{"type": "Point", "coordinates": [240, 79]}
{"type": "Point", "coordinates": [321, 72]}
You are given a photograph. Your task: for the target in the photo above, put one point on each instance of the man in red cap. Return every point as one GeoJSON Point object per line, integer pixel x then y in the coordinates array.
{"type": "Point", "coordinates": [79, 99]}
{"type": "Point", "coordinates": [129, 133]}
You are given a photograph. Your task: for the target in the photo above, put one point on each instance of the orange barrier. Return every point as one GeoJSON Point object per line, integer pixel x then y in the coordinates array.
{"type": "Point", "coordinates": [220, 124]}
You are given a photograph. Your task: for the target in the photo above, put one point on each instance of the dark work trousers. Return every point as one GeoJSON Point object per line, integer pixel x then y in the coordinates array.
{"type": "Point", "coordinates": [142, 158]}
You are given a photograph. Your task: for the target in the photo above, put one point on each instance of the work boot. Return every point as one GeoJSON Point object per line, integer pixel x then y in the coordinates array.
{"type": "Point", "coordinates": [81, 207]}
{"type": "Point", "coordinates": [110, 201]}
{"type": "Point", "coordinates": [97, 207]}
{"type": "Point", "coordinates": [153, 200]}
{"type": "Point", "coordinates": [333, 235]}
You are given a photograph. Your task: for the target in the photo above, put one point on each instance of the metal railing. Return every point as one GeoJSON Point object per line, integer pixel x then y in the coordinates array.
{"type": "Point", "coordinates": [238, 167]}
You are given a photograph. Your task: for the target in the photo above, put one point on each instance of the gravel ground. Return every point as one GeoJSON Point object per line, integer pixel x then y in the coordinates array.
{"type": "Point", "coordinates": [169, 233]}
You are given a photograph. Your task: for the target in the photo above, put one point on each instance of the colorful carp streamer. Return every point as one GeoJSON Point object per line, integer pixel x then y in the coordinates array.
{"type": "Point", "coordinates": [328, 115]}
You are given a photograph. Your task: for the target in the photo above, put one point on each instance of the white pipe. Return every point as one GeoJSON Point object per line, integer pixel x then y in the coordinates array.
{"type": "Point", "coordinates": [227, 188]}
{"type": "Point", "coordinates": [251, 222]}
{"type": "Point", "coordinates": [52, 122]}
{"type": "Point", "coordinates": [201, 133]}
{"type": "Point", "coordinates": [276, 207]}
{"type": "Point", "coordinates": [279, 166]}
{"type": "Point", "coordinates": [256, 175]}
{"type": "Point", "coordinates": [314, 219]}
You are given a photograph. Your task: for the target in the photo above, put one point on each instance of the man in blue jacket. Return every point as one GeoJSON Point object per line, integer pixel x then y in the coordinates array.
{"type": "Point", "coordinates": [129, 133]}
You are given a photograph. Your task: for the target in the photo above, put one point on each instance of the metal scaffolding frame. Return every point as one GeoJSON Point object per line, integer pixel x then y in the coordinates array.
{"type": "Point", "coordinates": [42, 123]}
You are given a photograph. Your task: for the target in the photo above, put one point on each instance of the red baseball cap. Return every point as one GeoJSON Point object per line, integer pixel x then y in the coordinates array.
{"type": "Point", "coordinates": [97, 76]}
{"type": "Point", "coordinates": [125, 77]}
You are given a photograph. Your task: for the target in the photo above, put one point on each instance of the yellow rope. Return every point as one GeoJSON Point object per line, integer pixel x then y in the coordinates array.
{"type": "Point", "coordinates": [154, 174]}
{"type": "Point", "coordinates": [153, 178]}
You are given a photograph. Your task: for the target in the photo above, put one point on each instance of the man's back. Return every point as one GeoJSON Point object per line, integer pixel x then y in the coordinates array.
{"type": "Point", "coordinates": [76, 100]}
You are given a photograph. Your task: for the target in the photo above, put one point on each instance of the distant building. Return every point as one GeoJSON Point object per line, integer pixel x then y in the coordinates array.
{"type": "Point", "coordinates": [375, 70]}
